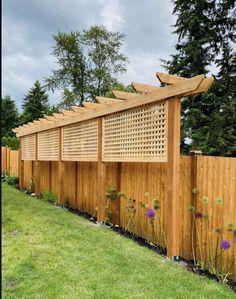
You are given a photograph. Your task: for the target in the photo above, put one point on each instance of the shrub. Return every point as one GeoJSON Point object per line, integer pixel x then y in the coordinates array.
{"type": "Point", "coordinates": [11, 142]}
{"type": "Point", "coordinates": [11, 180]}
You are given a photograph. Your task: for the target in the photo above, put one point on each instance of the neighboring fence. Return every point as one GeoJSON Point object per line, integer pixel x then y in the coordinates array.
{"type": "Point", "coordinates": [10, 161]}
{"type": "Point", "coordinates": [214, 177]}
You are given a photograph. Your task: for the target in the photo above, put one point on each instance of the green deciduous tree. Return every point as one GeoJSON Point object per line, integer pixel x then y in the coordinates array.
{"type": "Point", "coordinates": [10, 116]}
{"type": "Point", "coordinates": [35, 103]}
{"type": "Point", "coordinates": [88, 62]}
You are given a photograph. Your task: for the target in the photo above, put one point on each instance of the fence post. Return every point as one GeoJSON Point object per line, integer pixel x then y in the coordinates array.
{"type": "Point", "coordinates": [4, 159]}
{"type": "Point", "coordinates": [37, 169]}
{"type": "Point", "coordinates": [101, 174]}
{"type": "Point", "coordinates": [173, 179]}
{"type": "Point", "coordinates": [61, 170]}
{"type": "Point", "coordinates": [8, 159]}
{"type": "Point", "coordinates": [21, 167]}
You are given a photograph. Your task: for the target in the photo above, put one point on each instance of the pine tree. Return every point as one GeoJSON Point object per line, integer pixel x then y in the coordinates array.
{"type": "Point", "coordinates": [35, 103]}
{"type": "Point", "coordinates": [203, 26]}
{"type": "Point", "coordinates": [10, 116]}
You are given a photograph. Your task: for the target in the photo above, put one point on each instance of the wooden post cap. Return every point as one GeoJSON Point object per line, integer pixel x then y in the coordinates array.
{"type": "Point", "coordinates": [195, 152]}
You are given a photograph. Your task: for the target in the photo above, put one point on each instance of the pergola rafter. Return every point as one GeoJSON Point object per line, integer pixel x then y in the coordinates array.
{"type": "Point", "coordinates": [176, 86]}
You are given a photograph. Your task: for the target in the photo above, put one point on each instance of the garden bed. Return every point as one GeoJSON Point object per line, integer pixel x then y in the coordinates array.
{"type": "Point", "coordinates": [188, 264]}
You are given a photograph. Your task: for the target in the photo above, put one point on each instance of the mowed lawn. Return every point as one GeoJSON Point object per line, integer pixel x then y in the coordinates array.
{"type": "Point", "coordinates": [48, 252]}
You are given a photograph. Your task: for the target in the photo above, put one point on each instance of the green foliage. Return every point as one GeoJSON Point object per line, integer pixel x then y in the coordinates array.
{"type": "Point", "coordinates": [214, 260]}
{"type": "Point", "coordinates": [88, 62]}
{"type": "Point", "coordinates": [158, 233]}
{"type": "Point", "coordinates": [9, 116]}
{"type": "Point", "coordinates": [11, 142]}
{"type": "Point", "coordinates": [205, 31]}
{"type": "Point", "coordinates": [120, 87]}
{"type": "Point", "coordinates": [49, 197]}
{"type": "Point", "coordinates": [35, 104]}
{"type": "Point", "coordinates": [10, 180]}
{"type": "Point", "coordinates": [131, 210]}
{"type": "Point", "coordinates": [43, 245]}
{"type": "Point", "coordinates": [111, 195]}
{"type": "Point", "coordinates": [31, 187]}
{"type": "Point", "coordinates": [68, 99]}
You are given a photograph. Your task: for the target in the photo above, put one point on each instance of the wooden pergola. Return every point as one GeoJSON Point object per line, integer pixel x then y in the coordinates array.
{"type": "Point", "coordinates": [143, 126]}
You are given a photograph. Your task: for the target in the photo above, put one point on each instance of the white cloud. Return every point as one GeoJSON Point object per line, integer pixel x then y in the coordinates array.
{"type": "Point", "coordinates": [111, 14]}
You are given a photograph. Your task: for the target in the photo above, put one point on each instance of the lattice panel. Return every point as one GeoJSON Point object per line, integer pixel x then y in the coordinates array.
{"type": "Point", "coordinates": [80, 141]}
{"type": "Point", "coordinates": [136, 135]}
{"type": "Point", "coordinates": [48, 145]}
{"type": "Point", "coordinates": [29, 147]}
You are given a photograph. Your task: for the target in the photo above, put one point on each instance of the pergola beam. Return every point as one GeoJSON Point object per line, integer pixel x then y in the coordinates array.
{"type": "Point", "coordinates": [203, 87]}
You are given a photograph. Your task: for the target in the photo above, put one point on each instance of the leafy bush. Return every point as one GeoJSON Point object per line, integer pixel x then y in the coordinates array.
{"type": "Point", "coordinates": [11, 142]}
{"type": "Point", "coordinates": [10, 180]}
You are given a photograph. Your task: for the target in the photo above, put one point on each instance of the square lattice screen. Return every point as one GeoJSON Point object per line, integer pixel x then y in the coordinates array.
{"type": "Point", "coordinates": [80, 141]}
{"type": "Point", "coordinates": [136, 135]}
{"type": "Point", "coordinates": [48, 145]}
{"type": "Point", "coordinates": [29, 147]}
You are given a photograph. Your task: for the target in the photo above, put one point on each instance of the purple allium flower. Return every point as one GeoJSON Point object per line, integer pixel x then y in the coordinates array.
{"type": "Point", "coordinates": [225, 244]}
{"type": "Point", "coordinates": [235, 240]}
{"type": "Point", "coordinates": [198, 215]}
{"type": "Point", "coordinates": [150, 213]}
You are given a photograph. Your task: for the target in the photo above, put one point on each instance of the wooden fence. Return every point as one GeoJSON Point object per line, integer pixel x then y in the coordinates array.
{"type": "Point", "coordinates": [10, 161]}
{"type": "Point", "coordinates": [214, 178]}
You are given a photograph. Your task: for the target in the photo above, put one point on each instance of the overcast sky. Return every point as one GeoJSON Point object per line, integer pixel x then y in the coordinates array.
{"type": "Point", "coordinates": [28, 26]}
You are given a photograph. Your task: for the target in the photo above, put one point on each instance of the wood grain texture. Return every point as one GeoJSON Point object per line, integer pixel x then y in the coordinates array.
{"type": "Point", "coordinates": [137, 100]}
{"type": "Point", "coordinates": [137, 135]}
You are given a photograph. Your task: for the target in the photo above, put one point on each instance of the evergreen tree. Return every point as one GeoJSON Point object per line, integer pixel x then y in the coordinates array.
{"type": "Point", "coordinates": [35, 104]}
{"type": "Point", "coordinates": [68, 99]}
{"type": "Point", "coordinates": [10, 116]}
{"type": "Point", "coordinates": [203, 27]}
{"type": "Point", "coordinates": [88, 62]}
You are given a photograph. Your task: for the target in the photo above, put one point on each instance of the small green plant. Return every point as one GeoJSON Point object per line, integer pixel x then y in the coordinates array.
{"type": "Point", "coordinates": [131, 212]}
{"type": "Point", "coordinates": [214, 261]}
{"type": "Point", "coordinates": [95, 213]}
{"type": "Point", "coordinates": [31, 187]}
{"type": "Point", "coordinates": [111, 195]}
{"type": "Point", "coordinates": [49, 197]}
{"type": "Point", "coordinates": [152, 214]}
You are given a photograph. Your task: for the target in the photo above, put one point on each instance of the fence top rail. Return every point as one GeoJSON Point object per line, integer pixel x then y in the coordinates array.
{"type": "Point", "coordinates": [173, 86]}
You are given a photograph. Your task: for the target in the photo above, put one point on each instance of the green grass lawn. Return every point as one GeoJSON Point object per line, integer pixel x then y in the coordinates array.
{"type": "Point", "coordinates": [48, 252]}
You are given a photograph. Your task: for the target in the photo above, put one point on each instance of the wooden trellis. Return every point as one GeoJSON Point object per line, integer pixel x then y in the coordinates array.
{"type": "Point", "coordinates": [143, 126]}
